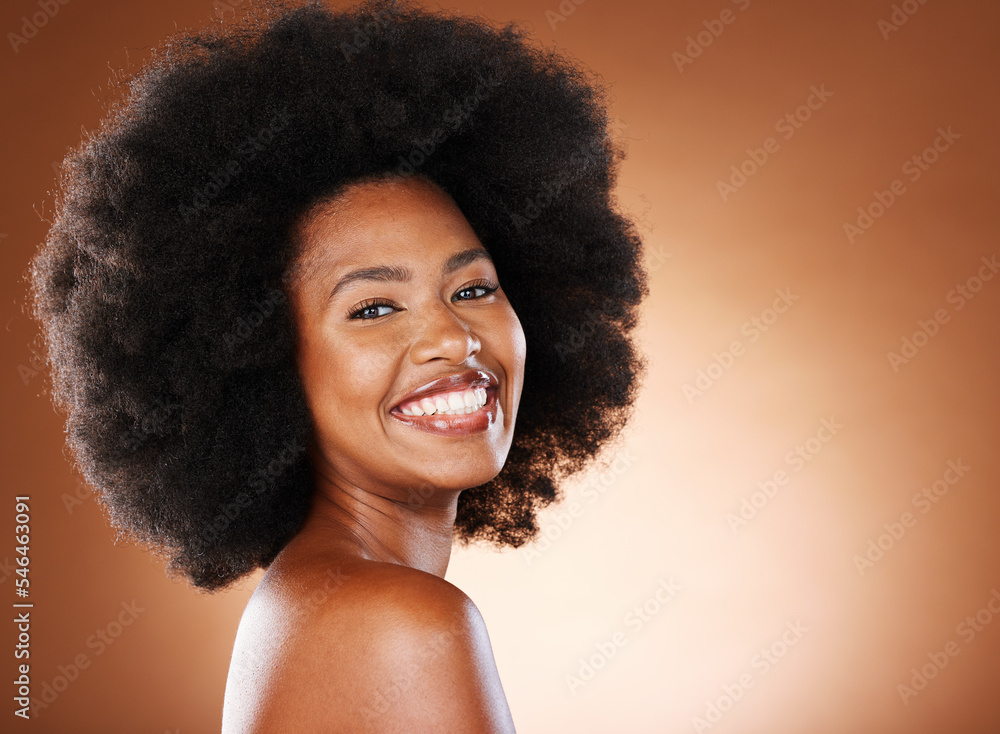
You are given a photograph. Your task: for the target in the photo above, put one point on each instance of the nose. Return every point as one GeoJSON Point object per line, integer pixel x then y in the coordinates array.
{"type": "Point", "coordinates": [442, 333]}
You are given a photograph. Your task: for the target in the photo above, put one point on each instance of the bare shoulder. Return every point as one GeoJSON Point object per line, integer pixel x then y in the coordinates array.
{"type": "Point", "coordinates": [363, 647]}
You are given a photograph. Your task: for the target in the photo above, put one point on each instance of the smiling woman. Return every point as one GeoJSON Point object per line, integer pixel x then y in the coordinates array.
{"type": "Point", "coordinates": [449, 331]}
{"type": "Point", "coordinates": [420, 257]}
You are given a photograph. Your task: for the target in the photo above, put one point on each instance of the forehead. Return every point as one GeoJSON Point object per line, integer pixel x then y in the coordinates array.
{"type": "Point", "coordinates": [381, 219]}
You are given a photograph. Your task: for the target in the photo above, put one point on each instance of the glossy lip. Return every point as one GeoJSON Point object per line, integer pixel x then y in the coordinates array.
{"type": "Point", "coordinates": [450, 383]}
{"type": "Point", "coordinates": [453, 425]}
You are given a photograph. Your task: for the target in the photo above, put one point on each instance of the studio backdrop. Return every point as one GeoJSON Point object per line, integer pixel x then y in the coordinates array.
{"type": "Point", "coordinates": [798, 532]}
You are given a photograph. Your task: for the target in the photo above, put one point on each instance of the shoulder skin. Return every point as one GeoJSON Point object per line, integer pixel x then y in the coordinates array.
{"type": "Point", "coordinates": [363, 647]}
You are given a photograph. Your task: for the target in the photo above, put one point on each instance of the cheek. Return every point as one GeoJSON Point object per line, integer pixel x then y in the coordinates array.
{"type": "Point", "coordinates": [522, 344]}
{"type": "Point", "coordinates": [342, 378]}
{"type": "Point", "coordinates": [516, 350]}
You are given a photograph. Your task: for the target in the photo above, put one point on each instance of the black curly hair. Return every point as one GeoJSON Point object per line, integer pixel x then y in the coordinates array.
{"type": "Point", "coordinates": [160, 288]}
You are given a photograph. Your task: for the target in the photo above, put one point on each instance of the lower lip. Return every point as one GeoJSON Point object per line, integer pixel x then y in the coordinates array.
{"type": "Point", "coordinates": [454, 425]}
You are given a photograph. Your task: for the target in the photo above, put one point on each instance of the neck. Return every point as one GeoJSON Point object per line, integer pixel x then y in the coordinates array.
{"type": "Point", "coordinates": [412, 530]}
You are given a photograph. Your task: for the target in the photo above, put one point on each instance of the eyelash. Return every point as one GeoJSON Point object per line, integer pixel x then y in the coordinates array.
{"type": "Point", "coordinates": [486, 285]}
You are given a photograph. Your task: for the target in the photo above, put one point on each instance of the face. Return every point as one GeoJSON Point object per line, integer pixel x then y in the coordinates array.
{"type": "Point", "coordinates": [398, 309]}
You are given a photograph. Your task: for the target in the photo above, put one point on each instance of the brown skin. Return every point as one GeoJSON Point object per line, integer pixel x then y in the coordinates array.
{"type": "Point", "coordinates": [353, 627]}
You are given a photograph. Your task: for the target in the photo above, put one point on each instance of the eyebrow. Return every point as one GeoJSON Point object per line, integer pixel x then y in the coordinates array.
{"type": "Point", "coordinates": [399, 273]}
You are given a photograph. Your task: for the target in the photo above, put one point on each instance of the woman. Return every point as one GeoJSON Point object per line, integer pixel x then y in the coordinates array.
{"type": "Point", "coordinates": [326, 292]}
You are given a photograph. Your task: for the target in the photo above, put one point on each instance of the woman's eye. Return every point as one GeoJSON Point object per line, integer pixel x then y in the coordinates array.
{"type": "Point", "coordinates": [484, 285]}
{"type": "Point", "coordinates": [370, 308]}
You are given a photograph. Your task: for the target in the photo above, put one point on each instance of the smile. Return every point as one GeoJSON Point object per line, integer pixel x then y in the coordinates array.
{"type": "Point", "coordinates": [451, 403]}
{"type": "Point", "coordinates": [445, 415]}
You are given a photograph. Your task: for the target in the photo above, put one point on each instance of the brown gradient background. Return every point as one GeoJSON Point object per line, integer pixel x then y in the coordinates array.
{"type": "Point", "coordinates": [714, 265]}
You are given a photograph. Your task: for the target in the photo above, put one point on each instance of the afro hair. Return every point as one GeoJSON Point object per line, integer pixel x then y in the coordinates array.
{"type": "Point", "coordinates": [160, 286]}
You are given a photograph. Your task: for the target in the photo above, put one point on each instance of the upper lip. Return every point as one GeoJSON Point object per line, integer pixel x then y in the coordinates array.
{"type": "Point", "coordinates": [450, 383]}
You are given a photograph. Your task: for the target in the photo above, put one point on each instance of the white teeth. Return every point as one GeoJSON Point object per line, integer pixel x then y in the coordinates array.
{"type": "Point", "coordinates": [456, 403]}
